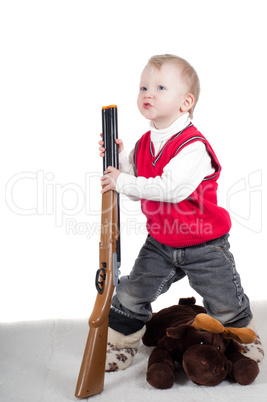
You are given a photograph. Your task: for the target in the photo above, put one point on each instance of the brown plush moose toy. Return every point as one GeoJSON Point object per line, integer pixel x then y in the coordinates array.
{"type": "Point", "coordinates": [208, 352]}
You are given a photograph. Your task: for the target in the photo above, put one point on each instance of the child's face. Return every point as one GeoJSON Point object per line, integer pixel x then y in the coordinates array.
{"type": "Point", "coordinates": [163, 95]}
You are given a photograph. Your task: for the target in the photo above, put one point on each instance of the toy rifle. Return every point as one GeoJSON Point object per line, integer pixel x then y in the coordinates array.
{"type": "Point", "coordinates": [92, 371]}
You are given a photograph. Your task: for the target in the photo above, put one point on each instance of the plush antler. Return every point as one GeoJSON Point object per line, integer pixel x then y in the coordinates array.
{"type": "Point", "coordinates": [207, 323]}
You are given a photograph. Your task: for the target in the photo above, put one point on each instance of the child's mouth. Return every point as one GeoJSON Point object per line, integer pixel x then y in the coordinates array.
{"type": "Point", "coordinates": [147, 105]}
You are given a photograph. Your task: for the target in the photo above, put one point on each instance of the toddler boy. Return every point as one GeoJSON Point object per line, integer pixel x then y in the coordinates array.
{"type": "Point", "coordinates": [173, 170]}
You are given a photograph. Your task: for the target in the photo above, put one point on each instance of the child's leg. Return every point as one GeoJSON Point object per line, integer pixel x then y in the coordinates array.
{"type": "Point", "coordinates": [212, 273]}
{"type": "Point", "coordinates": [152, 274]}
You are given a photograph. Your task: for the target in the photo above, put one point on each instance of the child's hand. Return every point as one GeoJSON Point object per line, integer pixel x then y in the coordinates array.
{"type": "Point", "coordinates": [102, 149]}
{"type": "Point", "coordinates": [108, 181]}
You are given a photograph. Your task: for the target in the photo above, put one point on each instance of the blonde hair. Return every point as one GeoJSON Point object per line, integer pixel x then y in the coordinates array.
{"type": "Point", "coordinates": [188, 73]}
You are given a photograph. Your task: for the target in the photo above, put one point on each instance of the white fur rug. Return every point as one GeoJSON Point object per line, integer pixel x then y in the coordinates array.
{"type": "Point", "coordinates": [40, 361]}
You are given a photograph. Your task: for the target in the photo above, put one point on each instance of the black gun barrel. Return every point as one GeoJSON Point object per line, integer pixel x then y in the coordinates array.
{"type": "Point", "coordinates": [111, 158]}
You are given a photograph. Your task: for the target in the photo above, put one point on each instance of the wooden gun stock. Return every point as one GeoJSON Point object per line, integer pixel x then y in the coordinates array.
{"type": "Point", "coordinates": [92, 372]}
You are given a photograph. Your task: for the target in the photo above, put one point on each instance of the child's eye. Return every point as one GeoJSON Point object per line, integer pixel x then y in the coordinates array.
{"type": "Point", "coordinates": [143, 89]}
{"type": "Point", "coordinates": [160, 87]}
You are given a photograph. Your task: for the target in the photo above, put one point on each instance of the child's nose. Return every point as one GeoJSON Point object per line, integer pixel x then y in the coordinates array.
{"type": "Point", "coordinates": [149, 94]}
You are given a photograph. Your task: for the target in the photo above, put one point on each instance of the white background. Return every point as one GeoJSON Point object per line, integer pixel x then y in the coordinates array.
{"type": "Point", "coordinates": [60, 62]}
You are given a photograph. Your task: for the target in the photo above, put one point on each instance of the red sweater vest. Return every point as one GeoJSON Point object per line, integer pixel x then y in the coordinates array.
{"type": "Point", "coordinates": [196, 219]}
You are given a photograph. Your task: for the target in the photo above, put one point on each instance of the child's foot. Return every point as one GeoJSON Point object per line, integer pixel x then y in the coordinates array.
{"type": "Point", "coordinates": [254, 350]}
{"type": "Point", "coordinates": [119, 359]}
{"type": "Point", "coordinates": [121, 349]}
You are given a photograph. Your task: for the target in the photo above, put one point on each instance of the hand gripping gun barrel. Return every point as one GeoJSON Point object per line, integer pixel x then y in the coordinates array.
{"type": "Point", "coordinates": [91, 377]}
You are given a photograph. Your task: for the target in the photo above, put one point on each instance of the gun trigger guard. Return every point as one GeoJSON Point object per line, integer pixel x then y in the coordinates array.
{"type": "Point", "coordinates": [99, 284]}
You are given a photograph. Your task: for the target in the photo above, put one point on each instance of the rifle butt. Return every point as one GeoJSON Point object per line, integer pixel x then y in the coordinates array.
{"type": "Point", "coordinates": [91, 377]}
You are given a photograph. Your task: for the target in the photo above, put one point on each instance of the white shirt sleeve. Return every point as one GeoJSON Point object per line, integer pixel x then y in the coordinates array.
{"type": "Point", "coordinates": [180, 177]}
{"type": "Point", "coordinates": [126, 165]}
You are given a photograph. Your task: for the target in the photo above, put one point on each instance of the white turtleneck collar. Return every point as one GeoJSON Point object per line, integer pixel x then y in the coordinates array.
{"type": "Point", "coordinates": [159, 137]}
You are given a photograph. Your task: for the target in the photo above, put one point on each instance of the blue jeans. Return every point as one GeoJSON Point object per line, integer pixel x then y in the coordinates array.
{"type": "Point", "coordinates": [211, 272]}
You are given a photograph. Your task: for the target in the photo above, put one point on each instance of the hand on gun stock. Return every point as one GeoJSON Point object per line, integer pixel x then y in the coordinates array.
{"type": "Point", "coordinates": [109, 179]}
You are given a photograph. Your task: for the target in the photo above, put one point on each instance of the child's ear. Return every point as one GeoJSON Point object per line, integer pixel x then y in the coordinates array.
{"type": "Point", "coordinates": [188, 103]}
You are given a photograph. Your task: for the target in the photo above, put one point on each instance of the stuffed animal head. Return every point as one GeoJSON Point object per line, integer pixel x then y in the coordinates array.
{"type": "Point", "coordinates": [203, 345]}
{"type": "Point", "coordinates": [203, 354]}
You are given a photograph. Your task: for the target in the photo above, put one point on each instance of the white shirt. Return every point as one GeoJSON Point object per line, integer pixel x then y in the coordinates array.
{"type": "Point", "coordinates": [180, 177]}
